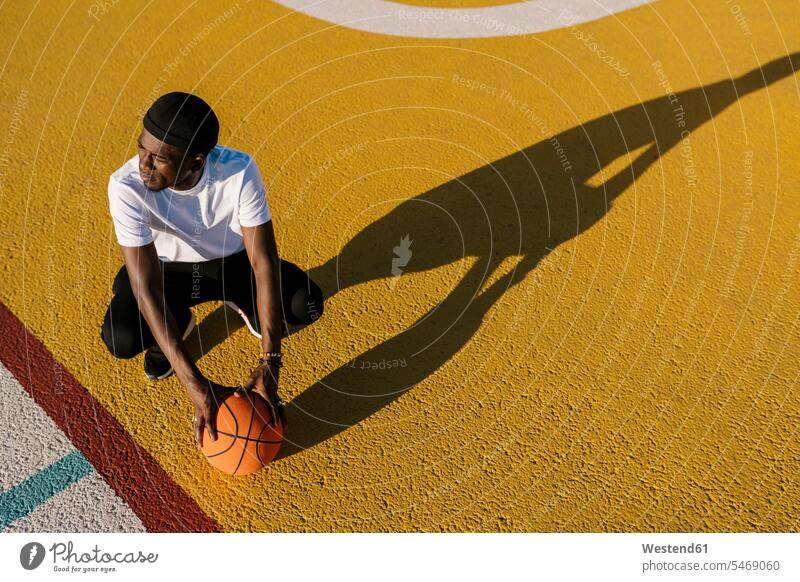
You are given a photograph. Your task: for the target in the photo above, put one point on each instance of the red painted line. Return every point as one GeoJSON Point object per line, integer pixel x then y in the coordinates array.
{"type": "Point", "coordinates": [161, 504]}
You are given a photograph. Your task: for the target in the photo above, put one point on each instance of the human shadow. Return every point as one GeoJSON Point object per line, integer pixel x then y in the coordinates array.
{"type": "Point", "coordinates": [523, 205]}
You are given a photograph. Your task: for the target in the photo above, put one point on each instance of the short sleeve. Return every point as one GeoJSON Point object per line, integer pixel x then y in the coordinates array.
{"type": "Point", "coordinates": [253, 205]}
{"type": "Point", "coordinates": [130, 219]}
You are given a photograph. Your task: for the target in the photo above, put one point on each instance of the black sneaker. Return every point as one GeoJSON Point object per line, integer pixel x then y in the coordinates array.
{"type": "Point", "coordinates": [249, 324]}
{"type": "Point", "coordinates": [156, 364]}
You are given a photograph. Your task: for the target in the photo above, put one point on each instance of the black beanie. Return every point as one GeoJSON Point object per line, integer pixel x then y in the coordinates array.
{"type": "Point", "coordinates": [183, 120]}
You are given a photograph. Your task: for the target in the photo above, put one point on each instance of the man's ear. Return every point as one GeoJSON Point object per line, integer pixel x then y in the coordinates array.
{"type": "Point", "coordinates": [198, 160]}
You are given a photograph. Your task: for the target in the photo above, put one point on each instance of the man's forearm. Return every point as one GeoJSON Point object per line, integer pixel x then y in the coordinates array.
{"type": "Point", "coordinates": [166, 333]}
{"type": "Point", "coordinates": [269, 306]}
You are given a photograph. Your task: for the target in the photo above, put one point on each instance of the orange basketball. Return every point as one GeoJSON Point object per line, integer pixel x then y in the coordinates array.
{"type": "Point", "coordinates": [248, 435]}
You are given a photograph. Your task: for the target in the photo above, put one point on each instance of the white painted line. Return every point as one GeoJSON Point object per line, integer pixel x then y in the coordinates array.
{"type": "Point", "coordinates": [29, 439]}
{"type": "Point", "coordinates": [88, 505]}
{"type": "Point", "coordinates": [29, 442]}
{"type": "Point", "coordinates": [391, 18]}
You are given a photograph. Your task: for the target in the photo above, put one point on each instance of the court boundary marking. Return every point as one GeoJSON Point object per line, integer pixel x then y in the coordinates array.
{"type": "Point", "coordinates": [504, 20]}
{"type": "Point", "coordinates": [134, 475]}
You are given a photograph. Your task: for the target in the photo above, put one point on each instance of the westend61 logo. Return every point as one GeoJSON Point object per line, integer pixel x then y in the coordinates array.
{"type": "Point", "coordinates": [66, 559]}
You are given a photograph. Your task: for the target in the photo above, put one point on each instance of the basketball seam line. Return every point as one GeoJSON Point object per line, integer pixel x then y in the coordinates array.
{"type": "Point", "coordinates": [258, 449]}
{"type": "Point", "coordinates": [244, 448]}
{"type": "Point", "coordinates": [234, 440]}
{"type": "Point", "coordinates": [255, 440]}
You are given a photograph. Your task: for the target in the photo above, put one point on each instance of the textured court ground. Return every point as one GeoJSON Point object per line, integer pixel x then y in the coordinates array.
{"type": "Point", "coordinates": [561, 266]}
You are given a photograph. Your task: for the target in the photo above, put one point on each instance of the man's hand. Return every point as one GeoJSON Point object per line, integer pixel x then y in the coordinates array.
{"type": "Point", "coordinates": [206, 397]}
{"type": "Point", "coordinates": [264, 382]}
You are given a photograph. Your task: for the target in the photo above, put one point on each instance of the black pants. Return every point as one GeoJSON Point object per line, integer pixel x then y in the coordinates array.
{"type": "Point", "coordinates": [126, 333]}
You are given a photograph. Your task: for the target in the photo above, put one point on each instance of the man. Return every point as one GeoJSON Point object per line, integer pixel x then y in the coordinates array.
{"type": "Point", "coordinates": [193, 223]}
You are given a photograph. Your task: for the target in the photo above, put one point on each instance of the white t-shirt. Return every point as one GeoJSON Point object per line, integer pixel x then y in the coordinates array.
{"type": "Point", "coordinates": [195, 225]}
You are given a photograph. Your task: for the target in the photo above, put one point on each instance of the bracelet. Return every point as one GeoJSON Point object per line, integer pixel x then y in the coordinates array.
{"type": "Point", "coordinates": [270, 358]}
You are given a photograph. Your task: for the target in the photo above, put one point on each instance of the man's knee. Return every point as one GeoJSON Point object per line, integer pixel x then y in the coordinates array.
{"type": "Point", "coordinates": [307, 304]}
{"type": "Point", "coordinates": [119, 340]}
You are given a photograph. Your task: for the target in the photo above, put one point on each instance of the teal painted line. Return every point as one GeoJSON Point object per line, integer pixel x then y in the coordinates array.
{"type": "Point", "coordinates": [21, 500]}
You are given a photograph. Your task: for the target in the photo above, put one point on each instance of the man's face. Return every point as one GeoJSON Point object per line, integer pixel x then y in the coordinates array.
{"type": "Point", "coordinates": [162, 165]}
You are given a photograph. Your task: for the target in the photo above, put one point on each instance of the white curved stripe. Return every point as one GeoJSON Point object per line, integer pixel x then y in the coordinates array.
{"type": "Point", "coordinates": [383, 17]}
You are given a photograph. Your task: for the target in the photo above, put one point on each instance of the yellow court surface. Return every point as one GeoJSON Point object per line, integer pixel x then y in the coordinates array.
{"type": "Point", "coordinates": [560, 261]}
